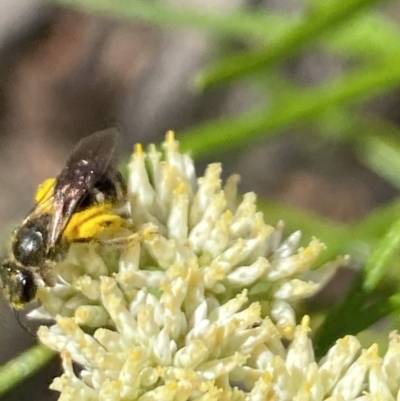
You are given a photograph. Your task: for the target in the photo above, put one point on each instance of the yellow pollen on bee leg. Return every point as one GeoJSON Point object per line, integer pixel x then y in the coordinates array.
{"type": "Point", "coordinates": [18, 305]}
{"type": "Point", "coordinates": [45, 190]}
{"type": "Point", "coordinates": [92, 222]}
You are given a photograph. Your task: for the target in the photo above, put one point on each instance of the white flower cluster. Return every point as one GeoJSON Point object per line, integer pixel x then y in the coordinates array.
{"type": "Point", "coordinates": [198, 304]}
{"type": "Point", "coordinates": [223, 359]}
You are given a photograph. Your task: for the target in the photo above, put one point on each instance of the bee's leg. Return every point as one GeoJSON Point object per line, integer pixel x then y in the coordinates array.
{"type": "Point", "coordinates": [121, 242]}
{"type": "Point", "coordinates": [46, 273]}
{"type": "Point", "coordinates": [100, 226]}
{"type": "Point", "coordinates": [95, 222]}
{"type": "Point", "coordinates": [111, 242]}
{"type": "Point", "coordinates": [97, 195]}
{"type": "Point", "coordinates": [58, 252]}
{"type": "Point", "coordinates": [128, 240]}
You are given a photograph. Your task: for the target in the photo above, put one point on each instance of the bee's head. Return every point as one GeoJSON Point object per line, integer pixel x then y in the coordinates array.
{"type": "Point", "coordinates": [29, 243]}
{"type": "Point", "coordinates": [19, 286]}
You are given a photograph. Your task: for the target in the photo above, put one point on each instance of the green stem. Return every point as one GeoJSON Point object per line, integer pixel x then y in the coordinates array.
{"type": "Point", "coordinates": [23, 366]}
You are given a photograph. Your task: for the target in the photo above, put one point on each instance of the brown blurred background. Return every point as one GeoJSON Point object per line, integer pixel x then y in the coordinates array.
{"type": "Point", "coordinates": [66, 74]}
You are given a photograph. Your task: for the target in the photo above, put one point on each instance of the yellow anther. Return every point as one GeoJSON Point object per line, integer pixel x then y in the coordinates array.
{"type": "Point", "coordinates": [228, 215]}
{"type": "Point", "coordinates": [344, 341]}
{"type": "Point", "coordinates": [180, 189]}
{"type": "Point", "coordinates": [373, 350]}
{"type": "Point", "coordinates": [149, 233]}
{"type": "Point", "coordinates": [138, 149]}
{"type": "Point", "coordinates": [117, 384]}
{"type": "Point", "coordinates": [288, 332]}
{"type": "Point", "coordinates": [172, 386]}
{"type": "Point", "coordinates": [305, 322]}
{"type": "Point", "coordinates": [170, 136]}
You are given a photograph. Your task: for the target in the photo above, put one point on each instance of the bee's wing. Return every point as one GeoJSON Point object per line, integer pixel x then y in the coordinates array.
{"type": "Point", "coordinates": [39, 210]}
{"type": "Point", "coordinates": [44, 204]}
{"type": "Point", "coordinates": [94, 157]}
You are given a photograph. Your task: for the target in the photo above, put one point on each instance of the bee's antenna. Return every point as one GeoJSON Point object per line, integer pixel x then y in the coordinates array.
{"type": "Point", "coordinates": [22, 324]}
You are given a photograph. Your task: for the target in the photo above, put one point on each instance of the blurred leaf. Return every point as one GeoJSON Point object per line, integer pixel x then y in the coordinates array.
{"type": "Point", "coordinates": [368, 35]}
{"type": "Point", "coordinates": [336, 236]}
{"type": "Point", "coordinates": [366, 303]}
{"type": "Point", "coordinates": [318, 23]}
{"type": "Point", "coordinates": [295, 218]}
{"type": "Point", "coordinates": [240, 24]}
{"type": "Point", "coordinates": [376, 223]}
{"type": "Point", "coordinates": [374, 336]}
{"type": "Point", "coordinates": [339, 238]}
{"type": "Point", "coordinates": [228, 133]}
{"type": "Point", "coordinates": [23, 366]}
{"type": "Point", "coordinates": [376, 142]}
{"type": "Point", "coordinates": [382, 155]}
{"type": "Point", "coordinates": [382, 257]}
{"type": "Point", "coordinates": [355, 312]}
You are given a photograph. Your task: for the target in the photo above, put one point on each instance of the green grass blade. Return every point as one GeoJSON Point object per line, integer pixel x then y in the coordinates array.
{"type": "Point", "coordinates": [23, 366]}
{"type": "Point", "coordinates": [375, 224]}
{"type": "Point", "coordinates": [336, 236]}
{"type": "Point", "coordinates": [382, 155]}
{"type": "Point", "coordinates": [382, 257]}
{"type": "Point", "coordinates": [369, 35]}
{"type": "Point", "coordinates": [228, 133]}
{"type": "Point", "coordinates": [236, 24]}
{"type": "Point", "coordinates": [375, 141]}
{"type": "Point", "coordinates": [346, 323]}
{"type": "Point", "coordinates": [358, 310]}
{"type": "Point", "coordinates": [291, 43]}
{"type": "Point", "coordinates": [295, 218]}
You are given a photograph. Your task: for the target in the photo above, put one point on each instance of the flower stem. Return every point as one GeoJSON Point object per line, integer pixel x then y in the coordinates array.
{"type": "Point", "coordinates": [23, 366]}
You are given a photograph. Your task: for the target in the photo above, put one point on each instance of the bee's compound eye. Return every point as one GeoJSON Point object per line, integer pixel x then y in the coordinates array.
{"type": "Point", "coordinates": [19, 286]}
{"type": "Point", "coordinates": [27, 286]}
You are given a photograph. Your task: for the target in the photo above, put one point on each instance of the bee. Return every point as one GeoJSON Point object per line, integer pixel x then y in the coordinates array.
{"type": "Point", "coordinates": [77, 206]}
